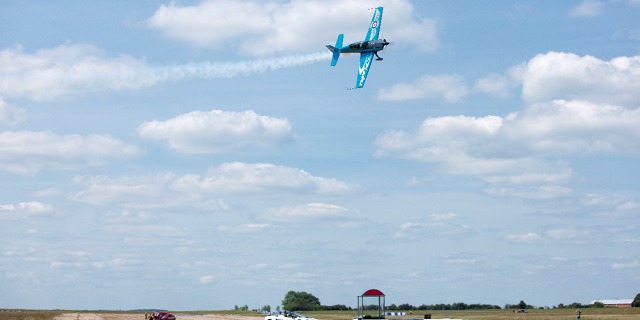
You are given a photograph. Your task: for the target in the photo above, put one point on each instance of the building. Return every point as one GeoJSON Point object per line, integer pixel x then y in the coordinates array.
{"type": "Point", "coordinates": [615, 303]}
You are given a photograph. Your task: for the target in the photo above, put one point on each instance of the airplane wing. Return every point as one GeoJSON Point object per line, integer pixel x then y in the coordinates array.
{"type": "Point", "coordinates": [365, 64]}
{"type": "Point", "coordinates": [374, 28]}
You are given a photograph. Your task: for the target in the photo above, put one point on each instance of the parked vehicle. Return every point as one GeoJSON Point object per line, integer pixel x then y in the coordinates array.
{"type": "Point", "coordinates": [162, 315]}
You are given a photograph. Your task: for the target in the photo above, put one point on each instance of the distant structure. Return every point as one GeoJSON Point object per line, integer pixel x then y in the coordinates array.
{"type": "Point", "coordinates": [371, 294]}
{"type": "Point", "coordinates": [615, 303]}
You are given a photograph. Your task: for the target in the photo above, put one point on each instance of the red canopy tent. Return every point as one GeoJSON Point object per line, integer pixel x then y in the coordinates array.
{"type": "Point", "coordinates": [371, 294]}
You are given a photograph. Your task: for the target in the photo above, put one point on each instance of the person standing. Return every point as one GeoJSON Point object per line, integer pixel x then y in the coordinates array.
{"type": "Point", "coordinates": [578, 312]}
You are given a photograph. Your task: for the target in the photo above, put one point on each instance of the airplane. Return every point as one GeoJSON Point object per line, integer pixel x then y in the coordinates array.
{"type": "Point", "coordinates": [367, 48]}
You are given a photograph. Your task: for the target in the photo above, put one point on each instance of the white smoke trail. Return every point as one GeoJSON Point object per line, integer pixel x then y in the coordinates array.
{"type": "Point", "coordinates": [208, 70]}
{"type": "Point", "coordinates": [73, 69]}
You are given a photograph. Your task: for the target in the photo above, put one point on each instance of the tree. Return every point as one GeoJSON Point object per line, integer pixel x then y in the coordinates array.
{"type": "Point", "coordinates": [266, 309]}
{"type": "Point", "coordinates": [301, 301]}
{"type": "Point", "coordinates": [404, 307]}
{"type": "Point", "coordinates": [636, 301]}
{"type": "Point", "coordinates": [522, 305]}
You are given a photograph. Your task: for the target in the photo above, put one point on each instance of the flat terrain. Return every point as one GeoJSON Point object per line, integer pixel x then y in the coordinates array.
{"type": "Point", "coordinates": [140, 316]}
{"type": "Point", "coordinates": [556, 314]}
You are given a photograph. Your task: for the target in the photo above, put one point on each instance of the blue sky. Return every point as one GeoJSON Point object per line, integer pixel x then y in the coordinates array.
{"type": "Point", "coordinates": [199, 155]}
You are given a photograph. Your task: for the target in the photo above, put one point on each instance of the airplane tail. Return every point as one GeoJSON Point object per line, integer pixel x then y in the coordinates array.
{"type": "Point", "coordinates": [336, 49]}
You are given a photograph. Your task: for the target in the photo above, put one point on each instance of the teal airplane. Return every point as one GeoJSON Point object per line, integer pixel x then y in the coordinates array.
{"type": "Point", "coordinates": [367, 48]}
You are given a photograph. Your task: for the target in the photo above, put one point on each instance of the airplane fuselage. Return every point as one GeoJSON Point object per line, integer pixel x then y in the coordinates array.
{"type": "Point", "coordinates": [365, 46]}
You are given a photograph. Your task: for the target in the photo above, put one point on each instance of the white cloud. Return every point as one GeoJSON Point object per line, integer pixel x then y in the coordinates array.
{"type": "Point", "coordinates": [247, 228]}
{"type": "Point", "coordinates": [67, 69]}
{"type": "Point", "coordinates": [496, 85]}
{"type": "Point", "coordinates": [451, 88]}
{"type": "Point", "coordinates": [439, 224]}
{"type": "Point", "coordinates": [532, 192]}
{"type": "Point", "coordinates": [519, 149]}
{"type": "Point", "coordinates": [206, 279]}
{"type": "Point", "coordinates": [10, 115]}
{"type": "Point", "coordinates": [611, 205]}
{"type": "Point", "coordinates": [576, 127]}
{"type": "Point", "coordinates": [530, 237]}
{"type": "Point", "coordinates": [587, 8]}
{"type": "Point", "coordinates": [203, 192]}
{"type": "Point", "coordinates": [626, 265]}
{"type": "Point", "coordinates": [27, 152]}
{"type": "Point", "coordinates": [24, 210]}
{"type": "Point", "coordinates": [460, 261]}
{"type": "Point", "coordinates": [568, 234]}
{"type": "Point", "coordinates": [239, 177]}
{"type": "Point", "coordinates": [310, 212]}
{"type": "Point", "coordinates": [557, 75]}
{"type": "Point", "coordinates": [218, 131]}
{"type": "Point", "coordinates": [139, 191]}
{"type": "Point", "coordinates": [262, 28]}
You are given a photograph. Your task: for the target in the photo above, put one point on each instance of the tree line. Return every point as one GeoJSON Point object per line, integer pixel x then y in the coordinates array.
{"type": "Point", "coordinates": [303, 301]}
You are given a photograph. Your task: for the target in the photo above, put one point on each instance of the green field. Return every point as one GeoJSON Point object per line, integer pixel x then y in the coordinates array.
{"type": "Point", "coordinates": [549, 314]}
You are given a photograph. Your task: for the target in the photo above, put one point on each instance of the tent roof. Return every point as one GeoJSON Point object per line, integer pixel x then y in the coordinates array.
{"type": "Point", "coordinates": [372, 292]}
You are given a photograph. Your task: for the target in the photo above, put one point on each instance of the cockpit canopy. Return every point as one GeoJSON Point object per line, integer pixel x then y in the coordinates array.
{"type": "Point", "coordinates": [359, 45]}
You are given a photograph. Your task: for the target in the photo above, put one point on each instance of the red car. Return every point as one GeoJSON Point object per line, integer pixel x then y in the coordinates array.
{"type": "Point", "coordinates": [162, 315]}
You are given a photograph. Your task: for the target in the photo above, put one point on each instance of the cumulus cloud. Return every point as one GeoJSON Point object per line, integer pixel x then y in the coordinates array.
{"type": "Point", "coordinates": [451, 88]}
{"type": "Point", "coordinates": [203, 192]}
{"type": "Point", "coordinates": [530, 237]}
{"type": "Point", "coordinates": [239, 177]}
{"type": "Point", "coordinates": [75, 69]}
{"type": "Point", "coordinates": [532, 192]}
{"type": "Point", "coordinates": [218, 131]}
{"type": "Point", "coordinates": [125, 190]}
{"type": "Point", "coordinates": [626, 265]}
{"type": "Point", "coordinates": [441, 224]}
{"type": "Point", "coordinates": [519, 149]}
{"type": "Point", "coordinates": [27, 152]}
{"type": "Point", "coordinates": [558, 75]}
{"type": "Point", "coordinates": [496, 85]}
{"type": "Point", "coordinates": [10, 115]}
{"type": "Point", "coordinates": [67, 69]}
{"type": "Point", "coordinates": [246, 228]}
{"type": "Point", "coordinates": [610, 205]}
{"type": "Point", "coordinates": [206, 279]}
{"type": "Point", "coordinates": [24, 210]}
{"type": "Point", "coordinates": [568, 234]}
{"type": "Point", "coordinates": [267, 27]}
{"type": "Point", "coordinates": [587, 8]}
{"type": "Point", "coordinates": [310, 212]}
{"type": "Point", "coordinates": [577, 127]}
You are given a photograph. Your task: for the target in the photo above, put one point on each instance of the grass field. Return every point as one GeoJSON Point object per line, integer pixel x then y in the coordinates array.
{"type": "Point", "coordinates": [28, 314]}
{"type": "Point", "coordinates": [550, 314]}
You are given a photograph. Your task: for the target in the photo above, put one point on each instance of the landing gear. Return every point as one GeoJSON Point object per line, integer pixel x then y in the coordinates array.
{"type": "Point", "coordinates": [377, 56]}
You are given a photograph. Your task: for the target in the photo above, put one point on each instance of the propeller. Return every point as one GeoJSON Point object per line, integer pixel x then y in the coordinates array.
{"type": "Point", "coordinates": [383, 51]}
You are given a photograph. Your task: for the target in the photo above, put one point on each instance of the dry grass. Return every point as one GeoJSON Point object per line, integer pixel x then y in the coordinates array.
{"type": "Point", "coordinates": [29, 314]}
